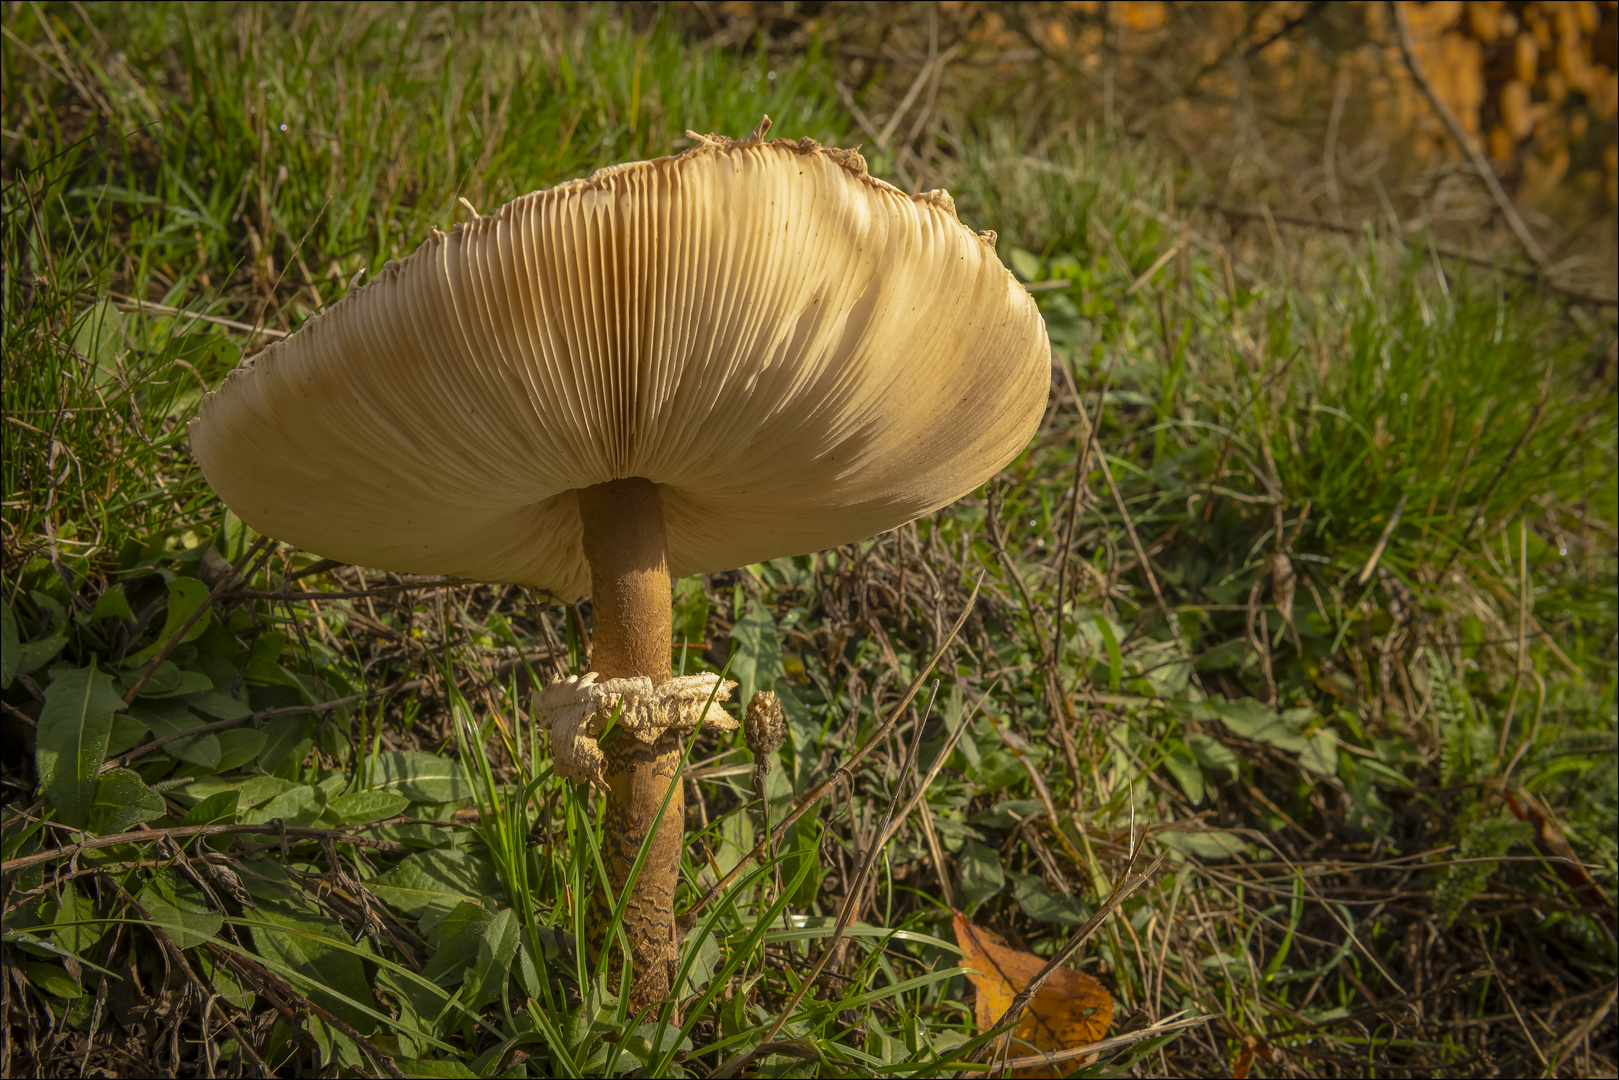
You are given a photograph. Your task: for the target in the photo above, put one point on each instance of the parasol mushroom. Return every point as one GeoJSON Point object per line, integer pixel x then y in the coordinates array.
{"type": "Point", "coordinates": [750, 350]}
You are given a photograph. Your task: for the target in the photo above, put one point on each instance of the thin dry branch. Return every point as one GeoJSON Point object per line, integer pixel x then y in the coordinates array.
{"type": "Point", "coordinates": [202, 609]}
{"type": "Point", "coordinates": [1480, 165]}
{"type": "Point", "coordinates": [1305, 221]}
{"type": "Point", "coordinates": [1117, 1042]}
{"type": "Point", "coordinates": [345, 833]}
{"type": "Point", "coordinates": [1014, 1012]}
{"type": "Point", "coordinates": [846, 770]}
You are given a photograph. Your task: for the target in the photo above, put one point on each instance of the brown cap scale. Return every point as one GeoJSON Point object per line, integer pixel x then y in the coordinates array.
{"type": "Point", "coordinates": [753, 349]}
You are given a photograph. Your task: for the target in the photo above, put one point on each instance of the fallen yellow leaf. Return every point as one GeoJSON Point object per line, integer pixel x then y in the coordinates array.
{"type": "Point", "coordinates": [1070, 1009]}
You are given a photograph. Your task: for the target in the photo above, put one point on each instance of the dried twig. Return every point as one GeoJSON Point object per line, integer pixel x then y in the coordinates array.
{"type": "Point", "coordinates": [1129, 1038]}
{"type": "Point", "coordinates": [141, 307]}
{"type": "Point", "coordinates": [202, 609]}
{"type": "Point", "coordinates": [779, 834]}
{"type": "Point", "coordinates": [345, 833]}
{"type": "Point", "coordinates": [1304, 221]}
{"type": "Point", "coordinates": [254, 719]}
{"type": "Point", "coordinates": [851, 900]}
{"type": "Point", "coordinates": [1014, 1011]}
{"type": "Point", "coordinates": [1480, 165]}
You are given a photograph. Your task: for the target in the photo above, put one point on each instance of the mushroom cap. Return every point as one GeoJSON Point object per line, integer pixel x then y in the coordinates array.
{"type": "Point", "coordinates": [798, 354]}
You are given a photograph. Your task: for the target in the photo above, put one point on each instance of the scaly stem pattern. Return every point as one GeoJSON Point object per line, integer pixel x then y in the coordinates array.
{"type": "Point", "coordinates": [626, 547]}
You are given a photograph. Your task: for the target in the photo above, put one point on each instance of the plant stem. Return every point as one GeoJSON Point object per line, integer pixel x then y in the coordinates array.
{"type": "Point", "coordinates": [626, 546]}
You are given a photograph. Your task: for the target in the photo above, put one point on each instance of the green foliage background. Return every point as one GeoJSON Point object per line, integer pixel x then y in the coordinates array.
{"type": "Point", "coordinates": [1307, 582]}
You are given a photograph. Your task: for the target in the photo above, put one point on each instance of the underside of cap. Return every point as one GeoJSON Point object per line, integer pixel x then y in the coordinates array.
{"type": "Point", "coordinates": [797, 353]}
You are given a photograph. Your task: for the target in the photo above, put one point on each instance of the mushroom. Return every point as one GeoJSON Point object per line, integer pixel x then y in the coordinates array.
{"type": "Point", "coordinates": [753, 349]}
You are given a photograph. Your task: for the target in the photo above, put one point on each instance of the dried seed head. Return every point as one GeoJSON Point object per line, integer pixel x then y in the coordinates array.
{"type": "Point", "coordinates": [764, 727]}
{"type": "Point", "coordinates": [1283, 582]}
{"type": "Point", "coordinates": [230, 882]}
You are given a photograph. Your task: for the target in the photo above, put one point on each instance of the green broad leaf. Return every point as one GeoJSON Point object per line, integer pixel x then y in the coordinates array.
{"type": "Point", "coordinates": [527, 974]}
{"type": "Point", "coordinates": [1204, 845]}
{"type": "Point", "coordinates": [1026, 264]}
{"type": "Point", "coordinates": [1321, 753]}
{"type": "Point", "coordinates": [1168, 679]}
{"type": "Point", "coordinates": [455, 943]}
{"type": "Point", "coordinates": [253, 790]}
{"type": "Point", "coordinates": [1360, 784]}
{"type": "Point", "coordinates": [77, 929]}
{"type": "Point", "coordinates": [420, 1011]}
{"type": "Point", "coordinates": [1043, 903]}
{"type": "Point", "coordinates": [162, 678]}
{"type": "Point", "coordinates": [427, 886]}
{"type": "Point", "coordinates": [218, 808]}
{"type": "Point", "coordinates": [72, 739]}
{"type": "Point", "coordinates": [1007, 813]}
{"type": "Point", "coordinates": [333, 784]}
{"type": "Point", "coordinates": [337, 1051]}
{"type": "Point", "coordinates": [756, 657]}
{"type": "Point", "coordinates": [736, 839]}
{"type": "Point", "coordinates": [303, 805]}
{"type": "Point", "coordinates": [497, 946]}
{"type": "Point", "coordinates": [126, 732]}
{"type": "Point", "coordinates": [186, 595]}
{"type": "Point", "coordinates": [22, 838]}
{"type": "Point", "coordinates": [474, 947]}
{"type": "Point", "coordinates": [638, 1045]}
{"type": "Point", "coordinates": [803, 739]}
{"type": "Point", "coordinates": [435, 1069]}
{"type": "Point", "coordinates": [981, 874]}
{"type": "Point", "coordinates": [882, 1047]}
{"type": "Point", "coordinates": [53, 980]}
{"type": "Point", "coordinates": [167, 681]}
{"type": "Point", "coordinates": [33, 655]}
{"type": "Point", "coordinates": [708, 962]}
{"type": "Point", "coordinates": [237, 537]}
{"type": "Point", "coordinates": [238, 746]}
{"type": "Point", "coordinates": [220, 978]}
{"type": "Point", "coordinates": [1383, 773]}
{"type": "Point", "coordinates": [123, 799]}
{"type": "Point", "coordinates": [53, 614]}
{"type": "Point", "coordinates": [420, 776]}
{"type": "Point", "coordinates": [264, 662]}
{"type": "Point", "coordinates": [1255, 720]}
{"type": "Point", "coordinates": [316, 948]}
{"type": "Point", "coordinates": [29, 942]}
{"type": "Point", "coordinates": [10, 646]}
{"type": "Point", "coordinates": [211, 702]}
{"type": "Point", "coordinates": [1227, 654]}
{"type": "Point", "coordinates": [999, 770]}
{"type": "Point", "coordinates": [285, 740]}
{"type": "Point", "coordinates": [1212, 754]}
{"type": "Point", "coordinates": [690, 610]}
{"type": "Point", "coordinates": [364, 807]}
{"type": "Point", "coordinates": [112, 604]}
{"type": "Point", "coordinates": [179, 910]}
{"type": "Point", "coordinates": [1183, 766]}
{"type": "Point", "coordinates": [99, 337]}
{"type": "Point", "coordinates": [483, 1064]}
{"type": "Point", "coordinates": [171, 717]}
{"type": "Point", "coordinates": [1115, 658]}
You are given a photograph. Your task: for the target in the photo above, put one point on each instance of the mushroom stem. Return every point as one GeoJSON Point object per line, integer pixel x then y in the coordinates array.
{"type": "Point", "coordinates": [629, 579]}
{"type": "Point", "coordinates": [626, 547]}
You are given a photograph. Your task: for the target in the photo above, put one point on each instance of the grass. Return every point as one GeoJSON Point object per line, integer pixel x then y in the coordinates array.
{"type": "Point", "coordinates": [1307, 583]}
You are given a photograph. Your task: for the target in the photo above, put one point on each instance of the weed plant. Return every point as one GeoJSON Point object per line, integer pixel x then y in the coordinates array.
{"type": "Point", "coordinates": [1307, 583]}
